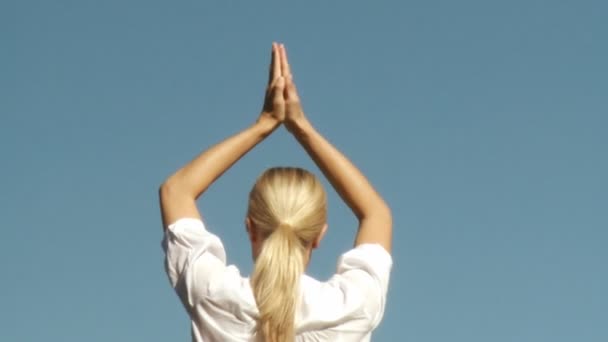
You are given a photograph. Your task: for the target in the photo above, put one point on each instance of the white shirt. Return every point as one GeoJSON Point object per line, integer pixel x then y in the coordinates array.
{"type": "Point", "coordinates": [222, 307]}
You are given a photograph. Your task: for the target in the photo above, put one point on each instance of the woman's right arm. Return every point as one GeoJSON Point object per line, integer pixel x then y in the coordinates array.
{"type": "Point", "coordinates": [374, 215]}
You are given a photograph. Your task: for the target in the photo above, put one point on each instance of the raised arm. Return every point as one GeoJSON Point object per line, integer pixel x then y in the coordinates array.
{"type": "Point", "coordinates": [374, 215]}
{"type": "Point", "coordinates": [179, 192]}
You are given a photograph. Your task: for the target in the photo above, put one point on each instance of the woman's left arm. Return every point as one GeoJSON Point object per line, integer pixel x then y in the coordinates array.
{"type": "Point", "coordinates": [179, 192]}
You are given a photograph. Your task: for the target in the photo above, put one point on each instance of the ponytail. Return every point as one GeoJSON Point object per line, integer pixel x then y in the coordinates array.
{"type": "Point", "coordinates": [287, 208]}
{"type": "Point", "coordinates": [275, 281]}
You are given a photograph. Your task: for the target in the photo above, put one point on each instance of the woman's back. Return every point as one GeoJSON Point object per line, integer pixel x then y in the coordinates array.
{"type": "Point", "coordinates": [222, 306]}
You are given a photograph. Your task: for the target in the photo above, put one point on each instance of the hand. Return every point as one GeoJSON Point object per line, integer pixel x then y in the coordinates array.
{"type": "Point", "coordinates": [293, 107]}
{"type": "Point", "coordinates": [274, 101]}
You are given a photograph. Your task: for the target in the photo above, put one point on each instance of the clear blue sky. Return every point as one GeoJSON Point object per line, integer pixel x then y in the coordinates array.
{"type": "Point", "coordinates": [483, 123]}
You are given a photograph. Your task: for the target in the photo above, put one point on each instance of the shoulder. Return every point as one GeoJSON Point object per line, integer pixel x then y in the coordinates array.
{"type": "Point", "coordinates": [186, 243]}
{"type": "Point", "coordinates": [355, 296]}
{"type": "Point", "coordinates": [366, 263]}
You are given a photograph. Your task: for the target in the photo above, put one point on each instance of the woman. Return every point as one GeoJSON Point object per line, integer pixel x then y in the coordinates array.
{"type": "Point", "coordinates": [286, 220]}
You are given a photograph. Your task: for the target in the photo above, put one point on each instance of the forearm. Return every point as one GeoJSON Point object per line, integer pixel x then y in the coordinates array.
{"type": "Point", "coordinates": [195, 177]}
{"type": "Point", "coordinates": [345, 177]}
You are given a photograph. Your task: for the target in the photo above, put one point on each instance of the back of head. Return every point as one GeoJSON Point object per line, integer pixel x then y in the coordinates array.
{"type": "Point", "coordinates": [287, 206]}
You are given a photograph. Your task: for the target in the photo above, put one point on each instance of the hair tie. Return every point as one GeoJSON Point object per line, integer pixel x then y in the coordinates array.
{"type": "Point", "coordinates": [285, 226]}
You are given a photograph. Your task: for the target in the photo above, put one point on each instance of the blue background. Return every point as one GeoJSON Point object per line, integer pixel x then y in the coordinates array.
{"type": "Point", "coordinates": [483, 123]}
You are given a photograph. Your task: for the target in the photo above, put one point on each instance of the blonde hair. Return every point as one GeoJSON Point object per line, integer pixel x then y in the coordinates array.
{"type": "Point", "coordinates": [287, 206]}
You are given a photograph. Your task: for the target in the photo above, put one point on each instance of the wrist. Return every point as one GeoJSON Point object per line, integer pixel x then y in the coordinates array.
{"type": "Point", "coordinates": [299, 127]}
{"type": "Point", "coordinates": [266, 125]}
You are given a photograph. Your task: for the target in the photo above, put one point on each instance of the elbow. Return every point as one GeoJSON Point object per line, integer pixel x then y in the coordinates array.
{"type": "Point", "coordinates": [389, 212]}
{"type": "Point", "coordinates": [176, 188]}
{"type": "Point", "coordinates": [384, 208]}
{"type": "Point", "coordinates": [163, 188]}
{"type": "Point", "coordinates": [379, 211]}
{"type": "Point", "coordinates": [384, 211]}
{"type": "Point", "coordinates": [163, 192]}
{"type": "Point", "coordinates": [168, 189]}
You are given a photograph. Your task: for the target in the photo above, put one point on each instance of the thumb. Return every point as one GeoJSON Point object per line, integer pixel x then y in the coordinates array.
{"type": "Point", "coordinates": [278, 87]}
{"type": "Point", "coordinates": [290, 91]}
{"type": "Point", "coordinates": [279, 84]}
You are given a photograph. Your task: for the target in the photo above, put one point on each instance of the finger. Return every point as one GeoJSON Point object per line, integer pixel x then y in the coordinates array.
{"type": "Point", "coordinates": [278, 88]}
{"type": "Point", "coordinates": [275, 60]}
{"type": "Point", "coordinates": [274, 94]}
{"type": "Point", "coordinates": [285, 68]}
{"type": "Point", "coordinates": [273, 83]}
{"type": "Point", "coordinates": [271, 66]}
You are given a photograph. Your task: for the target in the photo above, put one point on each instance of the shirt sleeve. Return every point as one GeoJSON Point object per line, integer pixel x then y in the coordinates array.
{"type": "Point", "coordinates": [186, 243]}
{"type": "Point", "coordinates": [367, 268]}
